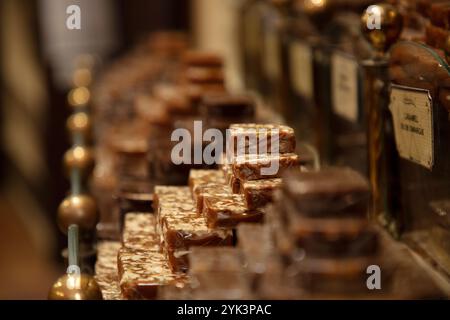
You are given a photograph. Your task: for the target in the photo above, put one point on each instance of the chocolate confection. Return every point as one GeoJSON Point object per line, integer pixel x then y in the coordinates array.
{"type": "Point", "coordinates": [230, 179]}
{"type": "Point", "coordinates": [333, 238]}
{"type": "Point", "coordinates": [199, 177]}
{"type": "Point", "coordinates": [228, 211]}
{"type": "Point", "coordinates": [440, 14]}
{"type": "Point", "coordinates": [335, 276]}
{"type": "Point", "coordinates": [195, 58]}
{"type": "Point", "coordinates": [245, 133]}
{"type": "Point", "coordinates": [259, 193]}
{"type": "Point", "coordinates": [106, 270]}
{"type": "Point", "coordinates": [167, 194]}
{"type": "Point", "coordinates": [209, 188]}
{"type": "Point", "coordinates": [330, 192]}
{"type": "Point", "coordinates": [142, 273]}
{"type": "Point", "coordinates": [255, 167]}
{"type": "Point", "coordinates": [436, 36]}
{"type": "Point", "coordinates": [227, 106]}
{"type": "Point", "coordinates": [182, 228]}
{"type": "Point", "coordinates": [201, 75]}
{"type": "Point", "coordinates": [140, 232]}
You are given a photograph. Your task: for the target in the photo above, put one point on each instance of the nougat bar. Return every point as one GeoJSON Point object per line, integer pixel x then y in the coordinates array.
{"type": "Point", "coordinates": [230, 179]}
{"type": "Point", "coordinates": [331, 192]}
{"type": "Point", "coordinates": [142, 273]}
{"type": "Point", "coordinates": [228, 211]}
{"type": "Point", "coordinates": [169, 194]}
{"type": "Point", "coordinates": [106, 273]}
{"type": "Point", "coordinates": [182, 228]}
{"type": "Point", "coordinates": [140, 232]}
{"type": "Point", "coordinates": [244, 136]}
{"type": "Point", "coordinates": [259, 193]}
{"type": "Point", "coordinates": [198, 179]}
{"type": "Point", "coordinates": [255, 167]}
{"type": "Point", "coordinates": [209, 188]}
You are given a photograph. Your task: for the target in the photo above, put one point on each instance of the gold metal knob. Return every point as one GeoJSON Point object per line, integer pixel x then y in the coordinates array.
{"type": "Point", "coordinates": [80, 123]}
{"type": "Point", "coordinates": [77, 209]}
{"type": "Point", "coordinates": [312, 7]}
{"type": "Point", "coordinates": [81, 158]}
{"type": "Point", "coordinates": [79, 97]}
{"type": "Point", "coordinates": [75, 287]}
{"type": "Point", "coordinates": [381, 25]}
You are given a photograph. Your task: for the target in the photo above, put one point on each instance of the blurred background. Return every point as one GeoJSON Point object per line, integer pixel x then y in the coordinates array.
{"type": "Point", "coordinates": [37, 56]}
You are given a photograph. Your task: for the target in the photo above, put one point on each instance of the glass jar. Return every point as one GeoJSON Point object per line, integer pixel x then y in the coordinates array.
{"type": "Point", "coordinates": [417, 121]}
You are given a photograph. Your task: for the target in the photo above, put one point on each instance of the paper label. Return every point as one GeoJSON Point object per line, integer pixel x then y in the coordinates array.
{"type": "Point", "coordinates": [412, 113]}
{"type": "Point", "coordinates": [301, 69]}
{"type": "Point", "coordinates": [344, 86]}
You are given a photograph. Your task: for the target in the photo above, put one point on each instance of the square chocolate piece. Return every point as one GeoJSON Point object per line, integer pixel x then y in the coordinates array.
{"type": "Point", "coordinates": [330, 192]}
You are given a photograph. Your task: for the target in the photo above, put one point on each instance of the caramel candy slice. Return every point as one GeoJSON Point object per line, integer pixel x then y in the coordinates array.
{"type": "Point", "coordinates": [182, 228]}
{"type": "Point", "coordinates": [258, 193]}
{"type": "Point", "coordinates": [211, 189]}
{"type": "Point", "coordinates": [142, 273]}
{"type": "Point", "coordinates": [200, 177]}
{"type": "Point", "coordinates": [255, 167]}
{"type": "Point", "coordinates": [106, 273]}
{"type": "Point", "coordinates": [228, 211]}
{"type": "Point", "coordinates": [331, 192]}
{"type": "Point", "coordinates": [230, 179]}
{"type": "Point", "coordinates": [140, 232]}
{"type": "Point", "coordinates": [169, 194]}
{"type": "Point", "coordinates": [244, 136]}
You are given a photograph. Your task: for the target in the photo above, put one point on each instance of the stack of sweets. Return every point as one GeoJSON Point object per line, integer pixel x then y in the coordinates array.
{"type": "Point", "coordinates": [142, 268]}
{"type": "Point", "coordinates": [324, 215]}
{"type": "Point", "coordinates": [106, 273]}
{"type": "Point", "coordinates": [181, 227]}
{"type": "Point", "coordinates": [261, 153]}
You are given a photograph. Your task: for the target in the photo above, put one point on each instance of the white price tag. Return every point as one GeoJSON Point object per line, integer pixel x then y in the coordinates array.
{"type": "Point", "coordinates": [344, 86]}
{"type": "Point", "coordinates": [301, 69]}
{"type": "Point", "coordinates": [412, 113]}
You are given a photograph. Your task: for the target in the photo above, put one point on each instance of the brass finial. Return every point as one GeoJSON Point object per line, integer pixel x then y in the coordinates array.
{"type": "Point", "coordinates": [80, 158]}
{"type": "Point", "coordinates": [74, 285]}
{"type": "Point", "coordinates": [79, 209]}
